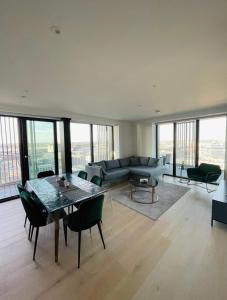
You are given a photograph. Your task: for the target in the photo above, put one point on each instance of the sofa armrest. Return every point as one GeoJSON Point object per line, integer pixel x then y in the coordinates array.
{"type": "Point", "coordinates": [94, 170]}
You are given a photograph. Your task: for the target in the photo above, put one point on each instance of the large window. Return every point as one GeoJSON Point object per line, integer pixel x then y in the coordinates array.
{"type": "Point", "coordinates": [188, 143]}
{"type": "Point", "coordinates": [103, 142]}
{"type": "Point", "coordinates": [86, 148]}
{"type": "Point", "coordinates": [212, 141]}
{"type": "Point", "coordinates": [80, 145]}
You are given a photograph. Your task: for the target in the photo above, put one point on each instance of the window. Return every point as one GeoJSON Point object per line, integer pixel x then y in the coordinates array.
{"type": "Point", "coordinates": [80, 145]}
{"type": "Point", "coordinates": [165, 145]}
{"type": "Point", "coordinates": [212, 141]}
{"type": "Point", "coordinates": [103, 142]}
{"type": "Point", "coordinates": [185, 146]}
{"type": "Point", "coordinates": [196, 142]}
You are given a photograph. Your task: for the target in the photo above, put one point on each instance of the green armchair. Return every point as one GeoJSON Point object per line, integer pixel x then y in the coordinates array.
{"type": "Point", "coordinates": [205, 173]}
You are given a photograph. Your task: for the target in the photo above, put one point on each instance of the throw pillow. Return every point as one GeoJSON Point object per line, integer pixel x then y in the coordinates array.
{"type": "Point", "coordinates": [153, 162]}
{"type": "Point", "coordinates": [134, 161]}
{"type": "Point", "coordinates": [144, 161]}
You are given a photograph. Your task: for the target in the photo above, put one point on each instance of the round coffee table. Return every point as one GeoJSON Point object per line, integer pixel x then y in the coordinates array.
{"type": "Point", "coordinates": [148, 187]}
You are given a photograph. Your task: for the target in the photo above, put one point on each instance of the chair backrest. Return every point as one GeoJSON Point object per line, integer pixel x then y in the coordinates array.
{"type": "Point", "coordinates": [82, 174]}
{"type": "Point", "coordinates": [35, 213]}
{"type": "Point", "coordinates": [20, 188]}
{"type": "Point", "coordinates": [96, 180]}
{"type": "Point", "coordinates": [45, 174]}
{"type": "Point", "coordinates": [89, 213]}
{"type": "Point", "coordinates": [210, 168]}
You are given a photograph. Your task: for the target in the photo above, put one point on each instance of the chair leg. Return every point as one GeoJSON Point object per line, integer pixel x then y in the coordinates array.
{"type": "Point", "coordinates": [100, 231]}
{"type": "Point", "coordinates": [36, 238]}
{"type": "Point", "coordinates": [29, 232]}
{"type": "Point", "coordinates": [79, 245]}
{"type": "Point", "coordinates": [25, 221]}
{"type": "Point", "coordinates": [65, 233]}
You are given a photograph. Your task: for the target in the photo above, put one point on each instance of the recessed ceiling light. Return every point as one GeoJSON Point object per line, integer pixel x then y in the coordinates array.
{"type": "Point", "coordinates": [139, 105]}
{"type": "Point", "coordinates": [55, 29]}
{"type": "Point", "coordinates": [154, 85]}
{"type": "Point", "coordinates": [157, 111]}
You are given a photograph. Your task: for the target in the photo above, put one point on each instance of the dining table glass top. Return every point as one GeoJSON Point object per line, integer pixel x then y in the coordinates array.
{"type": "Point", "coordinates": [55, 196]}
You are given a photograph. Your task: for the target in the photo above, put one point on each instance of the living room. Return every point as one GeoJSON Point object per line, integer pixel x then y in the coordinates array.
{"type": "Point", "coordinates": [113, 149]}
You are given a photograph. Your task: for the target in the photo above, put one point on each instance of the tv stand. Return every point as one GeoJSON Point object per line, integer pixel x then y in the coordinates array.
{"type": "Point", "coordinates": [219, 204]}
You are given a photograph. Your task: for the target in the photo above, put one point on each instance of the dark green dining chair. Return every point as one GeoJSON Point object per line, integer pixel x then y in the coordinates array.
{"type": "Point", "coordinates": [96, 180]}
{"type": "Point", "coordinates": [20, 190]}
{"type": "Point", "coordinates": [37, 215]}
{"type": "Point", "coordinates": [83, 175]}
{"type": "Point", "coordinates": [45, 174]}
{"type": "Point", "coordinates": [89, 214]}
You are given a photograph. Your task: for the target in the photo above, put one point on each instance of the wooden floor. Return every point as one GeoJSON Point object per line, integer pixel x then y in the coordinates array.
{"type": "Point", "coordinates": [177, 257]}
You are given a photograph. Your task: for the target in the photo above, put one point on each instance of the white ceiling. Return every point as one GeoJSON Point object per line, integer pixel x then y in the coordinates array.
{"type": "Point", "coordinates": [113, 56]}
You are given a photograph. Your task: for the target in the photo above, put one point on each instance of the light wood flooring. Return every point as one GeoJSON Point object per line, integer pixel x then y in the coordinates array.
{"type": "Point", "coordinates": [178, 256]}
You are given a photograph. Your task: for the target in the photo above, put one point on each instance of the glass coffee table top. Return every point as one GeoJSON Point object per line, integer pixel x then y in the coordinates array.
{"type": "Point", "coordinates": [144, 192]}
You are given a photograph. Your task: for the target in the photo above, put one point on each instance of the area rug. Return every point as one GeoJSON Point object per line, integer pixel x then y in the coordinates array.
{"type": "Point", "coordinates": [168, 194]}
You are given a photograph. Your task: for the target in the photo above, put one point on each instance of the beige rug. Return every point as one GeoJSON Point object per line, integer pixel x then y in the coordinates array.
{"type": "Point", "coordinates": [168, 194]}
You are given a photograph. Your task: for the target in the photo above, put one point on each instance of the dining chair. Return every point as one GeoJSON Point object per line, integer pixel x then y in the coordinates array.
{"type": "Point", "coordinates": [45, 174]}
{"type": "Point", "coordinates": [38, 216]}
{"type": "Point", "coordinates": [96, 180]}
{"type": "Point", "coordinates": [82, 174]}
{"type": "Point", "coordinates": [89, 214]}
{"type": "Point", "coordinates": [20, 190]}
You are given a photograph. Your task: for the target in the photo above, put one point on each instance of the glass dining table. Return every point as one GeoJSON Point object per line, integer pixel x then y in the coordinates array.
{"type": "Point", "coordinates": [55, 196]}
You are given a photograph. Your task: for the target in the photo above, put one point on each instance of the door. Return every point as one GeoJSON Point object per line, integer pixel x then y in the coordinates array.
{"type": "Point", "coordinates": [10, 167]}
{"type": "Point", "coordinates": [40, 147]}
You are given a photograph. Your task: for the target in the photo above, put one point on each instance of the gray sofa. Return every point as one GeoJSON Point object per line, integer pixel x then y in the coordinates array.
{"type": "Point", "coordinates": [126, 168]}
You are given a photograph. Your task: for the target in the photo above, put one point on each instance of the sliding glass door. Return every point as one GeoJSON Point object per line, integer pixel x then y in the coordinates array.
{"type": "Point", "coordinates": [189, 143]}
{"type": "Point", "coordinates": [185, 146]}
{"type": "Point", "coordinates": [41, 147]}
{"type": "Point", "coordinates": [165, 145]}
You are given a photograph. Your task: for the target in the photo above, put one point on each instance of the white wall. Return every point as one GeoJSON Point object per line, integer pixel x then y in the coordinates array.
{"type": "Point", "coordinates": [127, 139]}
{"type": "Point", "coordinates": [145, 139]}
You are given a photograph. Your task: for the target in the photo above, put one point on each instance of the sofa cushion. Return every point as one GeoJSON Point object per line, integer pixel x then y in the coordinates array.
{"type": "Point", "coordinates": [146, 171]}
{"type": "Point", "coordinates": [144, 161]}
{"type": "Point", "coordinates": [134, 161]}
{"type": "Point", "coordinates": [100, 163]}
{"type": "Point", "coordinates": [153, 162]}
{"type": "Point", "coordinates": [112, 164]}
{"type": "Point", "coordinates": [116, 173]}
{"type": "Point", "coordinates": [124, 162]}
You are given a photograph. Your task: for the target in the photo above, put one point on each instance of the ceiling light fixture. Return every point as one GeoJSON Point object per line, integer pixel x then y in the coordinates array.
{"type": "Point", "coordinates": [55, 29]}
{"type": "Point", "coordinates": [157, 111]}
